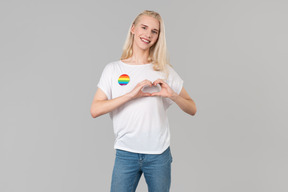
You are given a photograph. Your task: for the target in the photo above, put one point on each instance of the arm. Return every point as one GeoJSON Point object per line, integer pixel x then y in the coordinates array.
{"type": "Point", "coordinates": [183, 100]}
{"type": "Point", "coordinates": [101, 105]}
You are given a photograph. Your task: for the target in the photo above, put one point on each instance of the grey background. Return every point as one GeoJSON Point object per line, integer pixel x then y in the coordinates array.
{"type": "Point", "coordinates": [232, 56]}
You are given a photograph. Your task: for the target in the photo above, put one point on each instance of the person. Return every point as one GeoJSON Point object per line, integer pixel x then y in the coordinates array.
{"type": "Point", "coordinates": [136, 91]}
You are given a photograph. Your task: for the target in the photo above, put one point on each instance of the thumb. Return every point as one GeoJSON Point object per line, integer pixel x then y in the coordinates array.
{"type": "Point", "coordinates": [155, 94]}
{"type": "Point", "coordinates": [145, 94]}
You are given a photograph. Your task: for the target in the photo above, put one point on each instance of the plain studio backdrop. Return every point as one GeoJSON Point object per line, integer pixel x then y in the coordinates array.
{"type": "Point", "coordinates": [232, 56]}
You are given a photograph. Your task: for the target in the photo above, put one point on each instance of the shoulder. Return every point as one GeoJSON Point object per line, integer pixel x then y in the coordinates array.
{"type": "Point", "coordinates": [170, 67]}
{"type": "Point", "coordinates": [172, 72]}
{"type": "Point", "coordinates": [112, 65]}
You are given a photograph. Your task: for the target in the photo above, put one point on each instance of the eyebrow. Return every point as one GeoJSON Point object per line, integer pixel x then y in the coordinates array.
{"type": "Point", "coordinates": [147, 26]}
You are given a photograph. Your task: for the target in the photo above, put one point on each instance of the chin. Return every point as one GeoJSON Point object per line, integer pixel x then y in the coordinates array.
{"type": "Point", "coordinates": [144, 48]}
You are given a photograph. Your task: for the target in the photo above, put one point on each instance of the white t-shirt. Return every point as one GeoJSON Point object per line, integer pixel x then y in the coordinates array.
{"type": "Point", "coordinates": [140, 125]}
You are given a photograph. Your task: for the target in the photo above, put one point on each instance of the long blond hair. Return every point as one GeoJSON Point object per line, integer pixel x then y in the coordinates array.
{"type": "Point", "coordinates": [158, 52]}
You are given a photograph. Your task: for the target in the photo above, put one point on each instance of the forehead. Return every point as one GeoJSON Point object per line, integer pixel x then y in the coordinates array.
{"type": "Point", "coordinates": [149, 21]}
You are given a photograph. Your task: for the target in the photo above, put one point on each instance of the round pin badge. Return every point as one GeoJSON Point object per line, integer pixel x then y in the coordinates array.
{"type": "Point", "coordinates": [123, 79]}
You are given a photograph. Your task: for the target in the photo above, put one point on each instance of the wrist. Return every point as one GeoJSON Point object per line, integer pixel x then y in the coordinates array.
{"type": "Point", "coordinates": [173, 96]}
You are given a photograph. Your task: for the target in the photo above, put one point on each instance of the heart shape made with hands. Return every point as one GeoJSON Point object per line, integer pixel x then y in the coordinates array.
{"type": "Point", "coordinates": [152, 89]}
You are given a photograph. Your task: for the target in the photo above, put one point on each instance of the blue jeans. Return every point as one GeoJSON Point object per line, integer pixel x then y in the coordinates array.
{"type": "Point", "coordinates": [129, 167]}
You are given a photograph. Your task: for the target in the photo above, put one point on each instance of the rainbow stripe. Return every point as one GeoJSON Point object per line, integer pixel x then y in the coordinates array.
{"type": "Point", "coordinates": [123, 79]}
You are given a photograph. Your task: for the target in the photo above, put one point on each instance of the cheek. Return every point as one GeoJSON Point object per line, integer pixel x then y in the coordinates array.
{"type": "Point", "coordinates": [155, 38]}
{"type": "Point", "coordinates": [136, 31]}
{"type": "Point", "coordinates": [140, 30]}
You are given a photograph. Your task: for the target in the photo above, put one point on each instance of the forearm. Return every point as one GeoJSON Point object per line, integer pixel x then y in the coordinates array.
{"type": "Point", "coordinates": [101, 107]}
{"type": "Point", "coordinates": [187, 105]}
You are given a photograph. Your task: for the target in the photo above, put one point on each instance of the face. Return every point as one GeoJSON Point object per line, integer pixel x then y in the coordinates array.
{"type": "Point", "coordinates": [146, 32]}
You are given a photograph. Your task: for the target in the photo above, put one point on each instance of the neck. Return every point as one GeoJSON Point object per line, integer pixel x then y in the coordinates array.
{"type": "Point", "coordinates": [140, 56]}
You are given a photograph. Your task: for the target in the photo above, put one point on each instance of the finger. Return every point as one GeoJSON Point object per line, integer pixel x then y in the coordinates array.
{"type": "Point", "coordinates": [158, 81]}
{"type": "Point", "coordinates": [145, 94]}
{"type": "Point", "coordinates": [145, 82]}
{"type": "Point", "coordinates": [156, 94]}
{"type": "Point", "coordinates": [149, 83]}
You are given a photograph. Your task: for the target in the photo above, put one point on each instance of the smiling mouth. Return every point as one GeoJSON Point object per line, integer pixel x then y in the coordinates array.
{"type": "Point", "coordinates": [145, 40]}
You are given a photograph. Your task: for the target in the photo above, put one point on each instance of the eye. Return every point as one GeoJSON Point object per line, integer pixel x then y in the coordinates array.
{"type": "Point", "coordinates": [155, 32]}
{"type": "Point", "coordinates": [143, 27]}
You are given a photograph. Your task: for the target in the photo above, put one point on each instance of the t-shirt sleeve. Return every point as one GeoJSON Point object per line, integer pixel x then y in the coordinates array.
{"type": "Point", "coordinates": [175, 82]}
{"type": "Point", "coordinates": [105, 81]}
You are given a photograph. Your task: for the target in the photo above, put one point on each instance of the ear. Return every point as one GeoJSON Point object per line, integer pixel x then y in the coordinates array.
{"type": "Point", "coordinates": [132, 29]}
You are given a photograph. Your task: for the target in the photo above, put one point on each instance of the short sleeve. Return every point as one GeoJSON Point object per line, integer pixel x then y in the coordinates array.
{"type": "Point", "coordinates": [105, 81]}
{"type": "Point", "coordinates": [175, 82]}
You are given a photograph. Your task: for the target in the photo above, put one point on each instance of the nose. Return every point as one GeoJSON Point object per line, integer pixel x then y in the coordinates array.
{"type": "Point", "coordinates": [149, 34]}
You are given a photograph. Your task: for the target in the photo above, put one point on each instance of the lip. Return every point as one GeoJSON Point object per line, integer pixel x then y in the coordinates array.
{"type": "Point", "coordinates": [144, 40]}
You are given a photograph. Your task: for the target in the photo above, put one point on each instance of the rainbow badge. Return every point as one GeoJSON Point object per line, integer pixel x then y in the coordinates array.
{"type": "Point", "coordinates": [123, 79]}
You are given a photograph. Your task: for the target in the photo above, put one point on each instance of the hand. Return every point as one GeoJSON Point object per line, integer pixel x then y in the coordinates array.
{"type": "Point", "coordinates": [137, 91]}
{"type": "Point", "coordinates": [166, 90]}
